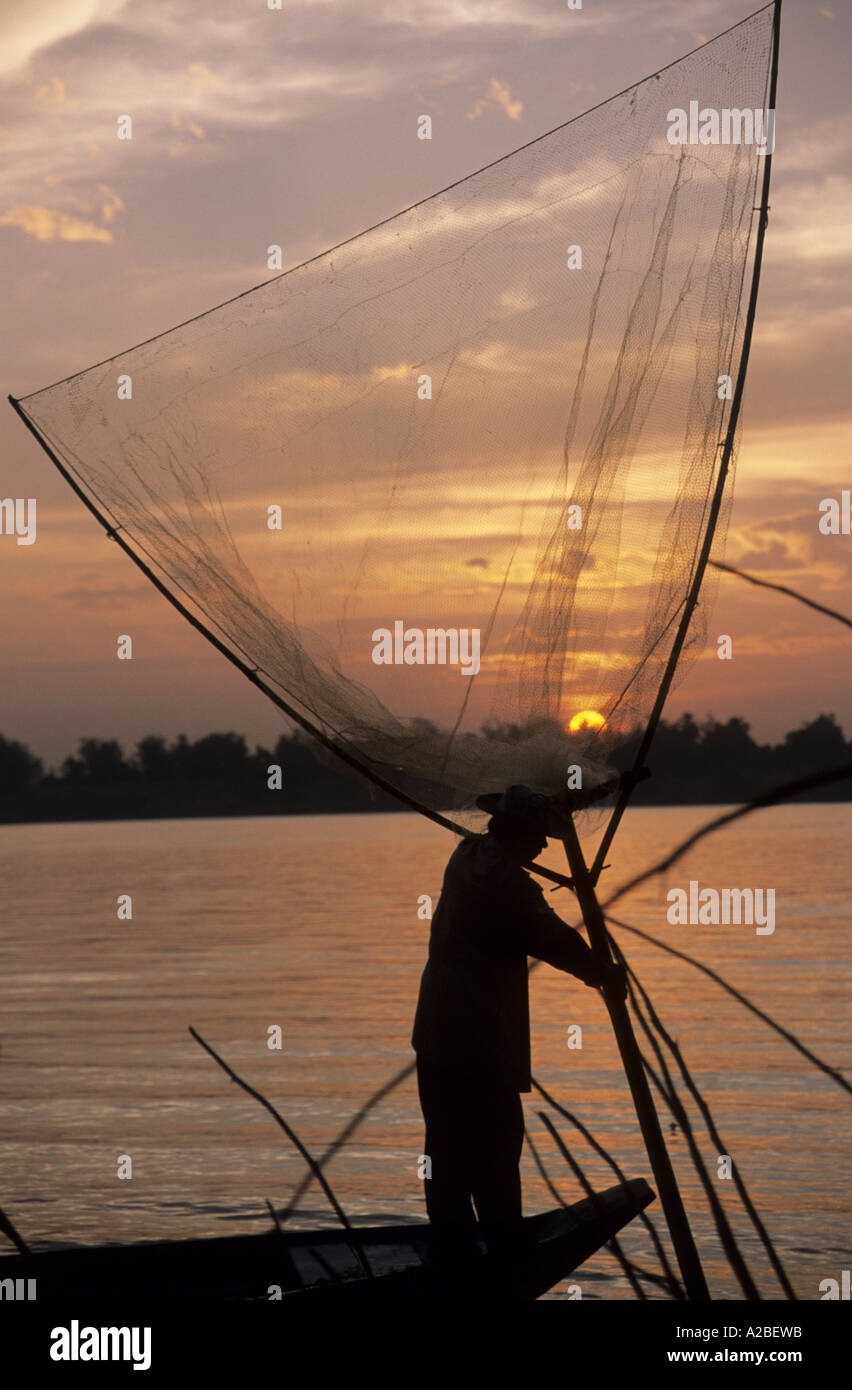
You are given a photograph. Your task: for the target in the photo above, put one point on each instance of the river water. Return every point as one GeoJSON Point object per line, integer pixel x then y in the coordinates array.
{"type": "Point", "coordinates": [310, 924]}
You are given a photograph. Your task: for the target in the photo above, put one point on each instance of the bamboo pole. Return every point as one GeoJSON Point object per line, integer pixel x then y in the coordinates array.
{"type": "Point", "coordinates": [676, 1219]}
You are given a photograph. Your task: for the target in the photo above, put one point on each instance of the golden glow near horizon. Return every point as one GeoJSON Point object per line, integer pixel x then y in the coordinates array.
{"type": "Point", "coordinates": [473, 498]}
{"type": "Point", "coordinates": [585, 719]}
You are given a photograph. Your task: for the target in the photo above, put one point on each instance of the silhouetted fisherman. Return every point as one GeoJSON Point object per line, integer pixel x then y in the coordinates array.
{"type": "Point", "coordinates": [472, 1027]}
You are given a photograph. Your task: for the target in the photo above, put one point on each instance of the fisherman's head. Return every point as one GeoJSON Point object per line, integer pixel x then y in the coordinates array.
{"type": "Point", "coordinates": [521, 821]}
{"type": "Point", "coordinates": [517, 839]}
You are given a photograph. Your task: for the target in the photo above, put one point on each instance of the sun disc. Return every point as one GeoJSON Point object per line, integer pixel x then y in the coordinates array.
{"type": "Point", "coordinates": [586, 719]}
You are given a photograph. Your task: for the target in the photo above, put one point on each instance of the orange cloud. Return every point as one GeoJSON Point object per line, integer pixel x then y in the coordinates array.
{"type": "Point", "coordinates": [53, 93]}
{"type": "Point", "coordinates": [111, 204]}
{"type": "Point", "coordinates": [184, 124]}
{"type": "Point", "coordinates": [46, 224]}
{"type": "Point", "coordinates": [180, 122]}
{"type": "Point", "coordinates": [202, 76]}
{"type": "Point", "coordinates": [499, 94]}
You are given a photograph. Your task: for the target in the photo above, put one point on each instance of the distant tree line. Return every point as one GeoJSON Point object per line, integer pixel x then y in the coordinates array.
{"type": "Point", "coordinates": [218, 775]}
{"type": "Point", "coordinates": [715, 762]}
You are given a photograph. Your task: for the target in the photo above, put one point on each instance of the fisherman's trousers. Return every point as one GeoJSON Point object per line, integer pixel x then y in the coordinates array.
{"type": "Point", "coordinates": [474, 1137]}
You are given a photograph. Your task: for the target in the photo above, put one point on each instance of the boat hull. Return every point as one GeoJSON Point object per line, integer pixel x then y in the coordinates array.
{"type": "Point", "coordinates": [325, 1266]}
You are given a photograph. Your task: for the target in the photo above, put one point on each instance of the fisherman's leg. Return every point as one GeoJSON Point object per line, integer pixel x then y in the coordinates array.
{"type": "Point", "coordinates": [497, 1176]}
{"type": "Point", "coordinates": [448, 1190]}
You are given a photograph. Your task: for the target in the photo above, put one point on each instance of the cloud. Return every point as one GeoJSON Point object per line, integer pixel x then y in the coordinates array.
{"type": "Point", "coordinates": [815, 145]}
{"type": "Point", "coordinates": [202, 76]}
{"type": "Point", "coordinates": [775, 555]}
{"type": "Point", "coordinates": [184, 124]}
{"type": "Point", "coordinates": [814, 223]}
{"type": "Point", "coordinates": [540, 18]}
{"type": "Point", "coordinates": [179, 122]}
{"type": "Point", "coordinates": [91, 590]}
{"type": "Point", "coordinates": [793, 545]}
{"type": "Point", "coordinates": [28, 27]}
{"type": "Point", "coordinates": [46, 224]}
{"type": "Point", "coordinates": [111, 204]}
{"type": "Point", "coordinates": [500, 95]}
{"type": "Point", "coordinates": [53, 94]}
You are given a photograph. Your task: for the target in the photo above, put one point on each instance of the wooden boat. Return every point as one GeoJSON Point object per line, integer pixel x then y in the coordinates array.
{"type": "Point", "coordinates": [326, 1265]}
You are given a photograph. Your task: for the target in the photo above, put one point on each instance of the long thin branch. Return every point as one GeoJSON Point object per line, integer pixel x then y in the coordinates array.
{"type": "Point", "coordinates": [782, 589]}
{"type": "Point", "coordinates": [639, 1272]}
{"type": "Point", "coordinates": [721, 1147]}
{"type": "Point", "coordinates": [770, 798]}
{"type": "Point", "coordinates": [8, 1229]}
{"type": "Point", "coordinates": [674, 1284]}
{"type": "Point", "coordinates": [294, 1139]}
{"type": "Point", "coordinates": [723, 1227]}
{"type": "Point", "coordinates": [668, 1091]}
{"type": "Point", "coordinates": [741, 998]}
{"type": "Point", "coordinates": [346, 1133]}
{"type": "Point", "coordinates": [542, 1171]}
{"type": "Point", "coordinates": [613, 1244]}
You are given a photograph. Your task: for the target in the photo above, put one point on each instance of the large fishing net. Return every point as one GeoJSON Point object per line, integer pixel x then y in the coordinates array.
{"type": "Point", "coordinates": [492, 425]}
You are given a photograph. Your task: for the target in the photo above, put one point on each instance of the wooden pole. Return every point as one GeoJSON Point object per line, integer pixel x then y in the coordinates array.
{"type": "Point", "coordinates": [676, 1219]}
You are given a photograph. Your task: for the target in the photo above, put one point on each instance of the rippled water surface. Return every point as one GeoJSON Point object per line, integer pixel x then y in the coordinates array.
{"type": "Point", "coordinates": [311, 924]}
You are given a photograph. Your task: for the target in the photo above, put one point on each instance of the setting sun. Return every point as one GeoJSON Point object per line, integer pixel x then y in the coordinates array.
{"type": "Point", "coordinates": [586, 719]}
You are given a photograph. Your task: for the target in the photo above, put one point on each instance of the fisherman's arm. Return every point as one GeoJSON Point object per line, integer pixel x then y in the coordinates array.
{"type": "Point", "coordinates": [546, 937]}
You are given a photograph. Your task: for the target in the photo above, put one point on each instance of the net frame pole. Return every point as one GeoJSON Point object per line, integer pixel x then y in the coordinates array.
{"type": "Point", "coordinates": [691, 602]}
{"type": "Point", "coordinates": [649, 1121]}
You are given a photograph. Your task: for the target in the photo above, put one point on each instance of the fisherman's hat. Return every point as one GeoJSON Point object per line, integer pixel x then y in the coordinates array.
{"type": "Point", "coordinates": [528, 808]}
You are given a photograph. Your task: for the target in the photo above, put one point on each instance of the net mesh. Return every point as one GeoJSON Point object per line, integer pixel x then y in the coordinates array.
{"type": "Point", "coordinates": [492, 425]}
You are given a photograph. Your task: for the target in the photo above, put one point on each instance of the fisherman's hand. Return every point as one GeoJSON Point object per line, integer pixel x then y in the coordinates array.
{"type": "Point", "coordinates": [613, 982]}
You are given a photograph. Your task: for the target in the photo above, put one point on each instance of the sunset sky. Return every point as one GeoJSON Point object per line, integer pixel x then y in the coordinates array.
{"type": "Point", "coordinates": [298, 127]}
